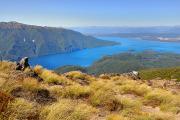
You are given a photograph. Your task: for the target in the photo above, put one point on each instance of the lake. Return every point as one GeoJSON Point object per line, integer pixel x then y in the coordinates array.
{"type": "Point", "coordinates": [87, 56]}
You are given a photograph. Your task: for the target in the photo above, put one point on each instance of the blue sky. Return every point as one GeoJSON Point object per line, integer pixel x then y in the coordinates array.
{"type": "Point", "coordinates": [69, 13]}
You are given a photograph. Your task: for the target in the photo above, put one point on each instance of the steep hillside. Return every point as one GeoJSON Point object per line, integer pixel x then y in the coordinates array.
{"type": "Point", "coordinates": [40, 94]}
{"type": "Point", "coordinates": [18, 40]}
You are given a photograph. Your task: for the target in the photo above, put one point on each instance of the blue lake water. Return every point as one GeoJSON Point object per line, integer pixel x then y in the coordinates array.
{"type": "Point", "coordinates": [87, 56]}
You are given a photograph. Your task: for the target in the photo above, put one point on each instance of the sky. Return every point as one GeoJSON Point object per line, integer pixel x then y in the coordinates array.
{"type": "Point", "coordinates": [76, 13]}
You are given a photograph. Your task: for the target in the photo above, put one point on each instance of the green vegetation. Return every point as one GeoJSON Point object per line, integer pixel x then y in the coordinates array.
{"type": "Point", "coordinates": [19, 40]}
{"type": "Point", "coordinates": [46, 95]}
{"type": "Point", "coordinates": [162, 73]}
{"type": "Point", "coordinates": [127, 62]}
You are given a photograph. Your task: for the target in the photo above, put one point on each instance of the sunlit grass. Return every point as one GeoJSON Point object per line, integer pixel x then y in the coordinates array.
{"type": "Point", "coordinates": [68, 110]}
{"type": "Point", "coordinates": [21, 109]}
{"type": "Point", "coordinates": [76, 91]}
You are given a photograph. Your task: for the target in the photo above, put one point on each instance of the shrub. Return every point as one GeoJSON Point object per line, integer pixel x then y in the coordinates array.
{"type": "Point", "coordinates": [67, 110]}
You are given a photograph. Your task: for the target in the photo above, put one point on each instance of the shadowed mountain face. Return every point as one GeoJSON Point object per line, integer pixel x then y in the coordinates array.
{"type": "Point", "coordinates": [18, 40]}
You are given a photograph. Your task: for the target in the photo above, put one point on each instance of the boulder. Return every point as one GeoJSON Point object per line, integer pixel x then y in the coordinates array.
{"type": "Point", "coordinates": [23, 64]}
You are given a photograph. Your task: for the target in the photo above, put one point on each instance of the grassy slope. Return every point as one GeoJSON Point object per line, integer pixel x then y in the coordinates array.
{"type": "Point", "coordinates": [78, 96]}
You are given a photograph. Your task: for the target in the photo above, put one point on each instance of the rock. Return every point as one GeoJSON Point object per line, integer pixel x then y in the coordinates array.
{"type": "Point", "coordinates": [104, 76]}
{"type": "Point", "coordinates": [23, 64]}
{"type": "Point", "coordinates": [134, 75]}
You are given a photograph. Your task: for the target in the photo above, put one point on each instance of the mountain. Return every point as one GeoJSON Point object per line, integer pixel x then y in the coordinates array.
{"type": "Point", "coordinates": [161, 33]}
{"type": "Point", "coordinates": [18, 40]}
{"type": "Point", "coordinates": [104, 30]}
{"type": "Point", "coordinates": [41, 94]}
{"type": "Point", "coordinates": [127, 62]}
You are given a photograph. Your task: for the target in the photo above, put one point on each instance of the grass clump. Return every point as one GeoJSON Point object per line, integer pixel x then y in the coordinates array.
{"type": "Point", "coordinates": [103, 94]}
{"type": "Point", "coordinates": [76, 75]}
{"type": "Point", "coordinates": [21, 109]}
{"type": "Point", "coordinates": [76, 91]}
{"type": "Point", "coordinates": [158, 96]}
{"type": "Point", "coordinates": [68, 110]}
{"type": "Point", "coordinates": [30, 84]}
{"type": "Point", "coordinates": [132, 87]}
{"type": "Point", "coordinates": [172, 106]}
{"type": "Point", "coordinates": [6, 66]}
{"type": "Point", "coordinates": [50, 76]}
{"type": "Point", "coordinates": [116, 117]}
{"type": "Point", "coordinates": [38, 69]}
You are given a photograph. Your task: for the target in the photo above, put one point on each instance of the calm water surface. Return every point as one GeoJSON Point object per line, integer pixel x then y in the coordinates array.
{"type": "Point", "coordinates": [87, 56]}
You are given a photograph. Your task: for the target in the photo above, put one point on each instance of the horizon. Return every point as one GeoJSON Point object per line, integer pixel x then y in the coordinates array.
{"type": "Point", "coordinates": [84, 13]}
{"type": "Point", "coordinates": [90, 26]}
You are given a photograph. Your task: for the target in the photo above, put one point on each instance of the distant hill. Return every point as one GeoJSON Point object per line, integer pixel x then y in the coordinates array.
{"type": "Point", "coordinates": [127, 62]}
{"type": "Point", "coordinates": [160, 33]}
{"type": "Point", "coordinates": [18, 40]}
{"type": "Point", "coordinates": [103, 30]}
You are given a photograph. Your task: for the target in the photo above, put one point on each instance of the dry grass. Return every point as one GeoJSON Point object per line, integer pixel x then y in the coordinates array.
{"type": "Point", "coordinates": [68, 110]}
{"type": "Point", "coordinates": [158, 96]}
{"type": "Point", "coordinates": [76, 91]}
{"type": "Point", "coordinates": [21, 109]}
{"type": "Point", "coordinates": [78, 96]}
{"type": "Point", "coordinates": [116, 117]}
{"type": "Point", "coordinates": [30, 84]}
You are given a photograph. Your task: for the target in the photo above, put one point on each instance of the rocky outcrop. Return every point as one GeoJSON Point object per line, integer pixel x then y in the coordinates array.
{"type": "Point", "coordinates": [23, 64]}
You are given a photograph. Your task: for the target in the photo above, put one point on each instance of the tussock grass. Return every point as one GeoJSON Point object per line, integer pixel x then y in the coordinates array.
{"type": "Point", "coordinates": [103, 94]}
{"type": "Point", "coordinates": [76, 91]}
{"type": "Point", "coordinates": [30, 84]}
{"type": "Point", "coordinates": [50, 76]}
{"type": "Point", "coordinates": [134, 88]}
{"type": "Point", "coordinates": [21, 109]}
{"type": "Point", "coordinates": [38, 69]}
{"type": "Point", "coordinates": [158, 96]}
{"type": "Point", "coordinates": [6, 66]}
{"type": "Point", "coordinates": [78, 96]}
{"type": "Point", "coordinates": [74, 75]}
{"type": "Point", "coordinates": [116, 117]}
{"type": "Point", "coordinates": [68, 110]}
{"type": "Point", "coordinates": [173, 106]}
